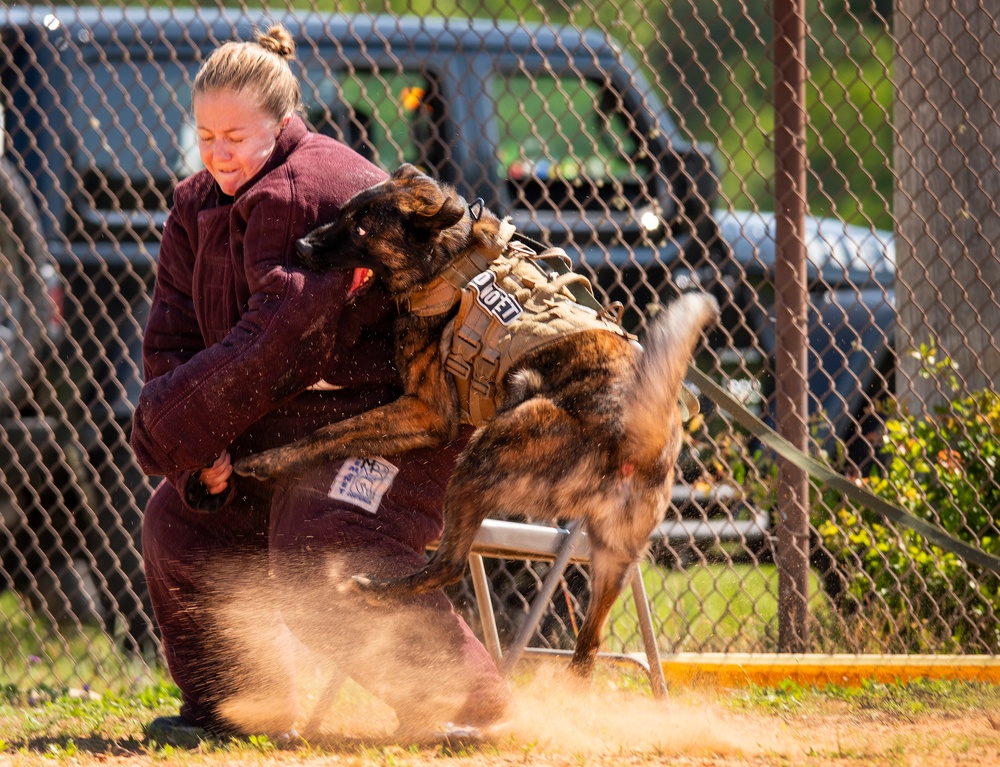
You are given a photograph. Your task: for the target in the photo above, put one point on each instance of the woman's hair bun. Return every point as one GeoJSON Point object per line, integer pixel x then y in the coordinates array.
{"type": "Point", "coordinates": [277, 40]}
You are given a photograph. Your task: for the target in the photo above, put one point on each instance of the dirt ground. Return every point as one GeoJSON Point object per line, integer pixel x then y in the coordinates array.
{"type": "Point", "coordinates": [702, 728]}
{"type": "Point", "coordinates": [608, 725]}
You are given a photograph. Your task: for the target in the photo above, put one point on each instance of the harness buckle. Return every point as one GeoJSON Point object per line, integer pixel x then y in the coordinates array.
{"type": "Point", "coordinates": [470, 338]}
{"type": "Point", "coordinates": [484, 388]}
{"type": "Point", "coordinates": [458, 367]}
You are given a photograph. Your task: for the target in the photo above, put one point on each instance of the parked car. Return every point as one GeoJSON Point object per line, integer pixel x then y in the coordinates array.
{"type": "Point", "coordinates": [554, 127]}
{"type": "Point", "coordinates": [851, 331]}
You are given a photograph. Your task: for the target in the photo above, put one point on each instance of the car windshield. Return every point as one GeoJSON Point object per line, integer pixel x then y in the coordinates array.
{"type": "Point", "coordinates": [566, 139]}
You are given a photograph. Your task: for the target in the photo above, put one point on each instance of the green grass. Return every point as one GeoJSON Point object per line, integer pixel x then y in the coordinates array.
{"type": "Point", "coordinates": [918, 696]}
{"type": "Point", "coordinates": [38, 655]}
{"type": "Point", "coordinates": [709, 608]}
{"type": "Point", "coordinates": [72, 717]}
{"type": "Point", "coordinates": [67, 729]}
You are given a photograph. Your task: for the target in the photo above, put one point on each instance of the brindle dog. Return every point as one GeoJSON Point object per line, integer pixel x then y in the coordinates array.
{"type": "Point", "coordinates": [588, 428]}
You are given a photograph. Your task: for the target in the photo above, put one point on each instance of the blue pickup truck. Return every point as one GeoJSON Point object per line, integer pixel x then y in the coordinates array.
{"type": "Point", "coordinates": [551, 126]}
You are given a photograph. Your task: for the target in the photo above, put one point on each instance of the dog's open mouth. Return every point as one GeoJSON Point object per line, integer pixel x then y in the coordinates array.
{"type": "Point", "coordinates": [360, 282]}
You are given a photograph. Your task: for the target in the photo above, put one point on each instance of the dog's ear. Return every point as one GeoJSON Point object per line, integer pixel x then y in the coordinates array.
{"type": "Point", "coordinates": [446, 216]}
{"type": "Point", "coordinates": [429, 206]}
{"type": "Point", "coordinates": [405, 172]}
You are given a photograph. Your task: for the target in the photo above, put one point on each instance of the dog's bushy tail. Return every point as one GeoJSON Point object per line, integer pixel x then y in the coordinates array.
{"type": "Point", "coordinates": [654, 390]}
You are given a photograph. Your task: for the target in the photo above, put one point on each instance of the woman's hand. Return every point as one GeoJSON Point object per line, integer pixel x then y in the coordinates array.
{"type": "Point", "coordinates": [215, 478]}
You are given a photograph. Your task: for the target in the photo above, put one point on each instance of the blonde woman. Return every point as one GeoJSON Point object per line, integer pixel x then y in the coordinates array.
{"type": "Point", "coordinates": [245, 351]}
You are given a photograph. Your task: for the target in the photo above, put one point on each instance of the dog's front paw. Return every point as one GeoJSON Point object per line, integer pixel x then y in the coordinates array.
{"type": "Point", "coordinates": [262, 466]}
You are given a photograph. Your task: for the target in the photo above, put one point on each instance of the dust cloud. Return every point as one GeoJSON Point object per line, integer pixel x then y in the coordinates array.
{"type": "Point", "coordinates": [552, 711]}
{"type": "Point", "coordinates": [282, 646]}
{"type": "Point", "coordinates": [562, 714]}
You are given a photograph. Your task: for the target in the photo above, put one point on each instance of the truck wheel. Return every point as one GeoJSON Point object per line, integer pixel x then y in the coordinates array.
{"type": "Point", "coordinates": [25, 307]}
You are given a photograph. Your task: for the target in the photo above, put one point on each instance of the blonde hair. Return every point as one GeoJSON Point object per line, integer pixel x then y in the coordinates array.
{"type": "Point", "coordinates": [260, 68]}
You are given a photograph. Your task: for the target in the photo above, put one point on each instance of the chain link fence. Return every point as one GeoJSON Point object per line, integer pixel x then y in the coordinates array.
{"type": "Point", "coordinates": [643, 147]}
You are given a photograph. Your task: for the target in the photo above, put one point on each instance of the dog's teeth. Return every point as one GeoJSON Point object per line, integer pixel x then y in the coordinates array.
{"type": "Point", "coordinates": [360, 278]}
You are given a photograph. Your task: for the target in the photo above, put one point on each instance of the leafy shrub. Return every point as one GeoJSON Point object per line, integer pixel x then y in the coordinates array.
{"type": "Point", "coordinates": [943, 469]}
{"type": "Point", "coordinates": [895, 591]}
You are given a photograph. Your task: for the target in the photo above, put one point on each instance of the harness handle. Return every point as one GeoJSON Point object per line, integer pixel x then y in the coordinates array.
{"type": "Point", "coordinates": [558, 261]}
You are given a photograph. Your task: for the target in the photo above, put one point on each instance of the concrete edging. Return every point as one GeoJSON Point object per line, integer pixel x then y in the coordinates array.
{"type": "Point", "coordinates": [770, 669]}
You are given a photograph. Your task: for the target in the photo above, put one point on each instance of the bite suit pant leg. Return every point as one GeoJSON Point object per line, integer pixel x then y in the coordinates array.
{"type": "Point", "coordinates": [417, 654]}
{"type": "Point", "coordinates": [223, 638]}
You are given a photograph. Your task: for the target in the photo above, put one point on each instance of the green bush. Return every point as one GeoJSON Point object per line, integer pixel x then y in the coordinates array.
{"type": "Point", "coordinates": [893, 591]}
{"type": "Point", "coordinates": [942, 468]}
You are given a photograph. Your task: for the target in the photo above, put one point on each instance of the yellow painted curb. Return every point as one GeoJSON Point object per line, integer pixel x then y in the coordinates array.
{"type": "Point", "coordinates": [769, 670]}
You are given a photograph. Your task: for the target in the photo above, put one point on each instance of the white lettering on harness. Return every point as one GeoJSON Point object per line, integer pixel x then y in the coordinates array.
{"type": "Point", "coordinates": [495, 299]}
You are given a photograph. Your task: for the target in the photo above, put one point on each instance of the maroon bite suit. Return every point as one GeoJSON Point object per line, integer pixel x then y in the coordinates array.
{"type": "Point", "coordinates": [237, 337]}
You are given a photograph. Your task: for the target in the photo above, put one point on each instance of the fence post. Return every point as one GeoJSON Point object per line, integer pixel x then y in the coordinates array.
{"type": "Point", "coordinates": [791, 352]}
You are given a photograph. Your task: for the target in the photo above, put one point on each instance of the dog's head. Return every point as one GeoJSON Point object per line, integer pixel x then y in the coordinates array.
{"type": "Point", "coordinates": [404, 229]}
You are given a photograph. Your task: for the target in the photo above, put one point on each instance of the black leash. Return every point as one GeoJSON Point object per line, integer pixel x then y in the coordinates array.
{"type": "Point", "coordinates": [824, 474]}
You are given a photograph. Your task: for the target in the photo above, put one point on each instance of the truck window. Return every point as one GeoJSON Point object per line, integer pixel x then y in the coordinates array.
{"type": "Point", "coordinates": [567, 141]}
{"type": "Point", "coordinates": [389, 117]}
{"type": "Point", "coordinates": [130, 116]}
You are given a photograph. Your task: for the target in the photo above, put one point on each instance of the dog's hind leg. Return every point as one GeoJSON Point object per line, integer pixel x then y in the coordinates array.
{"type": "Point", "coordinates": [608, 574]}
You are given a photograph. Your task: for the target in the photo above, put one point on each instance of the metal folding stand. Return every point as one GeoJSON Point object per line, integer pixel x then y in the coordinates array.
{"type": "Point", "coordinates": [561, 546]}
{"type": "Point", "coordinates": [514, 540]}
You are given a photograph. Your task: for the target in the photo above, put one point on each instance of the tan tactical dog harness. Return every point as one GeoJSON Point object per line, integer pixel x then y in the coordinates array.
{"type": "Point", "coordinates": [509, 307]}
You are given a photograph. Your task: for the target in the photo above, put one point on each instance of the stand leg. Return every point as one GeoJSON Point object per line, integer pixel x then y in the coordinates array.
{"type": "Point", "coordinates": [542, 599]}
{"type": "Point", "coordinates": [656, 678]}
{"type": "Point", "coordinates": [486, 616]}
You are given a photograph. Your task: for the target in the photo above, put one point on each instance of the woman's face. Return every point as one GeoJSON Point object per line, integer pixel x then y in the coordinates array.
{"type": "Point", "coordinates": [235, 136]}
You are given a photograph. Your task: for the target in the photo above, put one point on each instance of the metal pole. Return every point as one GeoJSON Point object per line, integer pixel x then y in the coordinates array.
{"type": "Point", "coordinates": [791, 351]}
{"type": "Point", "coordinates": [481, 585]}
{"type": "Point", "coordinates": [516, 648]}
{"type": "Point", "coordinates": [657, 681]}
